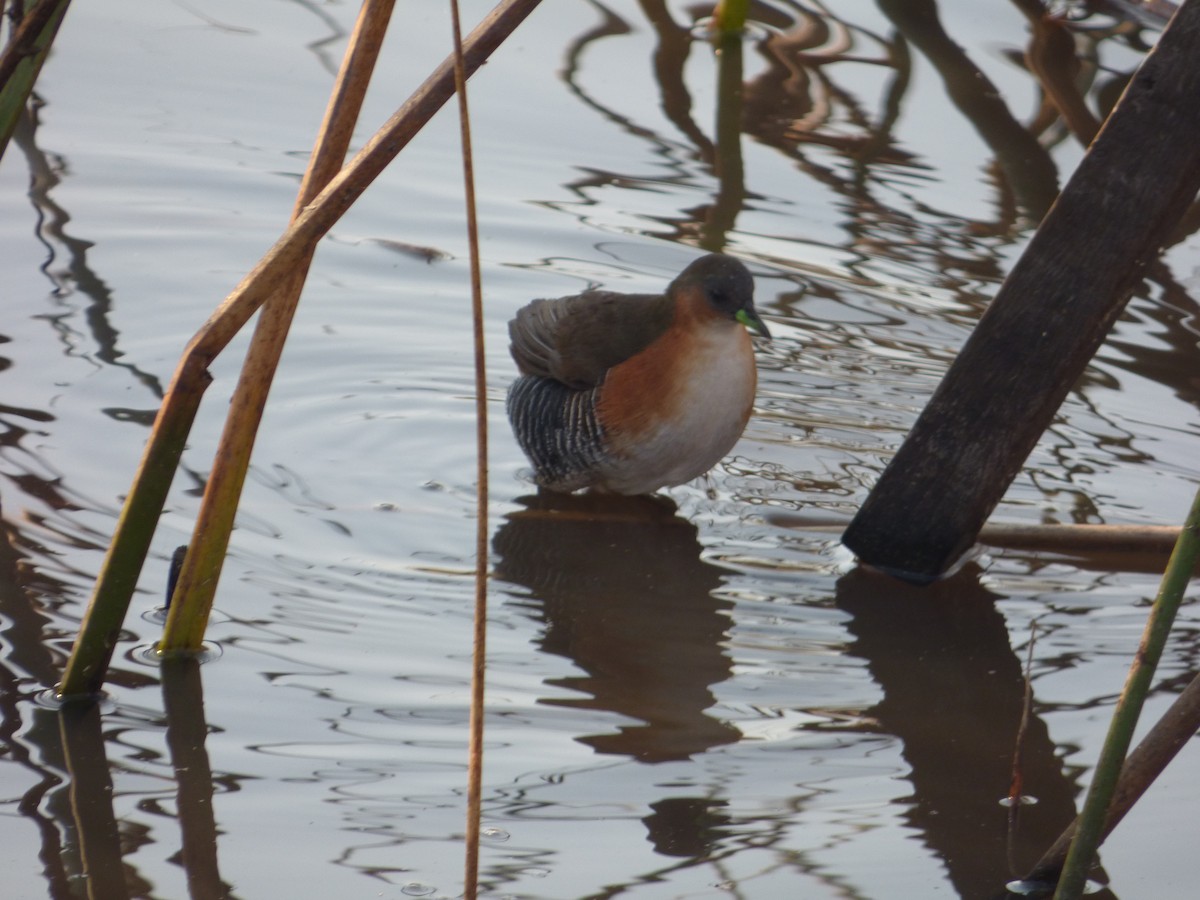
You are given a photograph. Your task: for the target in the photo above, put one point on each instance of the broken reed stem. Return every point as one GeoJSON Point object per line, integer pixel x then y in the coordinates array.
{"type": "Point", "coordinates": [729, 16]}
{"type": "Point", "coordinates": [1092, 819]}
{"type": "Point", "coordinates": [22, 58]}
{"type": "Point", "coordinates": [101, 626]}
{"type": "Point", "coordinates": [479, 648]}
{"type": "Point", "coordinates": [191, 603]}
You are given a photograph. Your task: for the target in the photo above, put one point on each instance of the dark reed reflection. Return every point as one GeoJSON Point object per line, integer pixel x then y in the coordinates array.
{"type": "Point", "coordinates": [91, 792]}
{"type": "Point", "coordinates": [65, 752]}
{"type": "Point", "coordinates": [953, 692]}
{"type": "Point", "coordinates": [67, 268]}
{"type": "Point", "coordinates": [623, 593]}
{"type": "Point", "coordinates": [1023, 164]}
{"type": "Point", "coordinates": [60, 752]}
{"type": "Point", "coordinates": [183, 701]}
{"type": "Point", "coordinates": [29, 739]}
{"type": "Point", "coordinates": [728, 166]}
{"type": "Point", "coordinates": [99, 839]}
{"type": "Point", "coordinates": [830, 95]}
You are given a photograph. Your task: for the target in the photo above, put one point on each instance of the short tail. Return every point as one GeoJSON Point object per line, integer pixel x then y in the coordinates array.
{"type": "Point", "coordinates": [558, 430]}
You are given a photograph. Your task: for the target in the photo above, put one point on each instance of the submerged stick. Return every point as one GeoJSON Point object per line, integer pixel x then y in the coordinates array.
{"type": "Point", "coordinates": [90, 657]}
{"type": "Point", "coordinates": [479, 648]}
{"type": "Point", "coordinates": [1051, 538]}
{"type": "Point", "coordinates": [1092, 819]}
{"type": "Point", "coordinates": [1082, 538]}
{"type": "Point", "coordinates": [196, 585]}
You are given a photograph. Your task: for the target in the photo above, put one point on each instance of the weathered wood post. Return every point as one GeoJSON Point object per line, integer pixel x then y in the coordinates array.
{"type": "Point", "coordinates": [1046, 322]}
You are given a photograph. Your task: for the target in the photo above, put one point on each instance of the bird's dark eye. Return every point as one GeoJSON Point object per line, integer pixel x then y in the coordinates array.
{"type": "Point", "coordinates": [721, 297]}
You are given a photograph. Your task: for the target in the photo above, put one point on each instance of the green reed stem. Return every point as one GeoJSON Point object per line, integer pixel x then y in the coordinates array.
{"type": "Point", "coordinates": [1137, 685]}
{"type": "Point", "coordinates": [101, 626]}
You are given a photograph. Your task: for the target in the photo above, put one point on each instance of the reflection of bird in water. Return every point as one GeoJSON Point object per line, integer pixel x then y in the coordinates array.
{"type": "Point", "coordinates": [623, 592]}
{"type": "Point", "coordinates": [628, 393]}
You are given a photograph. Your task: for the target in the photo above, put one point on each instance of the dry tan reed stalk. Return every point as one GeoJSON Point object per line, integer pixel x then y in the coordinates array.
{"type": "Point", "coordinates": [88, 665]}
{"type": "Point", "coordinates": [196, 586]}
{"type": "Point", "coordinates": [479, 643]}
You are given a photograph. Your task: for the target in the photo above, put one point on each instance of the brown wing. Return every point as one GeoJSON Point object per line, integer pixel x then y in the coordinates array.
{"type": "Point", "coordinates": [575, 340]}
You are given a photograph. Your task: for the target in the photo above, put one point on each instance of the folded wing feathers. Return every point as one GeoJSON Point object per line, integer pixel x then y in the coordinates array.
{"type": "Point", "coordinates": [576, 340]}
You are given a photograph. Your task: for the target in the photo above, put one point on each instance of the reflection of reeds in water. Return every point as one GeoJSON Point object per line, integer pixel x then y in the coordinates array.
{"type": "Point", "coordinates": [98, 833]}
{"type": "Point", "coordinates": [183, 703]}
{"type": "Point", "coordinates": [81, 837]}
{"type": "Point", "coordinates": [807, 101]}
{"type": "Point", "coordinates": [91, 794]}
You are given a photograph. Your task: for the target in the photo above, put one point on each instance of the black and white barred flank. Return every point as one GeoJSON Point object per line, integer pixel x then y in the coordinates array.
{"type": "Point", "coordinates": [557, 428]}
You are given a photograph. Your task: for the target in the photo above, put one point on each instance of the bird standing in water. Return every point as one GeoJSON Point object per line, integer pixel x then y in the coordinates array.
{"type": "Point", "coordinates": [628, 393]}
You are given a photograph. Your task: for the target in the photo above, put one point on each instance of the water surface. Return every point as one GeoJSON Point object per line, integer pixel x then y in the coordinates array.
{"type": "Point", "coordinates": [689, 697]}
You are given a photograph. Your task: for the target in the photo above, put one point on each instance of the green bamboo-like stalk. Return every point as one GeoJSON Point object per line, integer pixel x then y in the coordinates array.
{"type": "Point", "coordinates": [1137, 685]}
{"type": "Point", "coordinates": [192, 599]}
{"type": "Point", "coordinates": [88, 665]}
{"type": "Point", "coordinates": [22, 60]}
{"type": "Point", "coordinates": [730, 16]}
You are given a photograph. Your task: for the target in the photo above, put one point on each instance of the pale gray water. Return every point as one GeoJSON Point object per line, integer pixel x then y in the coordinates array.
{"type": "Point", "coordinates": [699, 705]}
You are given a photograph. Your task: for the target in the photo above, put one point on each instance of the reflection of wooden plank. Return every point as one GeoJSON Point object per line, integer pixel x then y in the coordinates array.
{"type": "Point", "coordinates": [1048, 319]}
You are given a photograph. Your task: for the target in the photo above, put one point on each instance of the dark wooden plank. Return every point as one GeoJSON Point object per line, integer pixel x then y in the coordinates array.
{"type": "Point", "coordinates": [1046, 322]}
